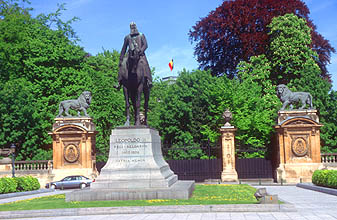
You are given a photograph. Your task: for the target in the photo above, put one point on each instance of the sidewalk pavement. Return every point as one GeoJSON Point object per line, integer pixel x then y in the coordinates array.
{"type": "Point", "coordinates": [309, 205]}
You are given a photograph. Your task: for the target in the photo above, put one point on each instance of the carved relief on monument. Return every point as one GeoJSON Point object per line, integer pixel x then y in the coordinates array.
{"type": "Point", "coordinates": [300, 145]}
{"type": "Point", "coordinates": [71, 153]}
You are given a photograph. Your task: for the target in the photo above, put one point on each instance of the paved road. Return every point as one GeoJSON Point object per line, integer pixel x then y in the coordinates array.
{"type": "Point", "coordinates": [311, 205]}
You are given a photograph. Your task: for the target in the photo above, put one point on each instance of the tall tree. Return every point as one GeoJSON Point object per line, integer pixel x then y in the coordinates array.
{"type": "Point", "coordinates": [293, 62]}
{"type": "Point", "coordinates": [191, 109]}
{"type": "Point", "coordinates": [51, 63]}
{"type": "Point", "coordinates": [289, 50]}
{"type": "Point", "coordinates": [107, 105]}
{"type": "Point", "coordinates": [254, 105]}
{"type": "Point", "coordinates": [237, 30]}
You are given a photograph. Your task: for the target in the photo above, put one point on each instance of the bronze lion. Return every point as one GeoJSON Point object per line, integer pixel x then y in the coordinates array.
{"type": "Point", "coordinates": [80, 104]}
{"type": "Point", "coordinates": [288, 97]}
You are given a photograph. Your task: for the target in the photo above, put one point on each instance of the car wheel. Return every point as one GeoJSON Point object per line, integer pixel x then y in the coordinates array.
{"type": "Point", "coordinates": [53, 187]}
{"type": "Point", "coordinates": [82, 186]}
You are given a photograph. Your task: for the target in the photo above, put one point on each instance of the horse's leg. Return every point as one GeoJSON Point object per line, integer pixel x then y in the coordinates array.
{"type": "Point", "coordinates": [137, 103]}
{"type": "Point", "coordinates": [134, 104]}
{"type": "Point", "coordinates": [127, 106]}
{"type": "Point", "coordinates": [133, 101]}
{"type": "Point", "coordinates": [146, 91]}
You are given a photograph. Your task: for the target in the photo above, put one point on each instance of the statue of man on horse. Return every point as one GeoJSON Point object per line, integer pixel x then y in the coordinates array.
{"type": "Point", "coordinates": [134, 74]}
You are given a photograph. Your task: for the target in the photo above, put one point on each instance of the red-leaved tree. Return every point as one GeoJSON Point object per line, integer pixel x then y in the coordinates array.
{"type": "Point", "coordinates": [236, 30]}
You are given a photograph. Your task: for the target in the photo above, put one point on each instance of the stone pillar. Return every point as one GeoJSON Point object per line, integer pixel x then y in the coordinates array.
{"type": "Point", "coordinates": [229, 173]}
{"type": "Point", "coordinates": [298, 145]}
{"type": "Point", "coordinates": [74, 147]}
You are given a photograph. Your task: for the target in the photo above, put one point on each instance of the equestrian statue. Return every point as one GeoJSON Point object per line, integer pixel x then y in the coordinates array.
{"type": "Point", "coordinates": [134, 74]}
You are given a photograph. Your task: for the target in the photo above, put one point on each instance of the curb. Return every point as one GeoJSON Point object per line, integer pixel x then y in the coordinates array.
{"type": "Point", "coordinates": [148, 209]}
{"type": "Point", "coordinates": [321, 189]}
{"type": "Point", "coordinates": [16, 194]}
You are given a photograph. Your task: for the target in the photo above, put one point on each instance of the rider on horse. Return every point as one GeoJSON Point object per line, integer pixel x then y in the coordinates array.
{"type": "Point", "coordinates": [134, 46]}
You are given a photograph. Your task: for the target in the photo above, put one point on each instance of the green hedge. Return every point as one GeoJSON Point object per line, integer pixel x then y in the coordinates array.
{"type": "Point", "coordinates": [327, 178]}
{"type": "Point", "coordinates": [18, 184]}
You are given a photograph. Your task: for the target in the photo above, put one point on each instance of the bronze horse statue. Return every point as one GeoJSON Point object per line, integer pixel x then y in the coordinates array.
{"type": "Point", "coordinates": [134, 74]}
{"type": "Point", "coordinates": [133, 86]}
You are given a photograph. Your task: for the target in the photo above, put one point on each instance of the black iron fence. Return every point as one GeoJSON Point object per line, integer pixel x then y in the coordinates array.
{"type": "Point", "coordinates": [196, 169]}
{"type": "Point", "coordinates": [211, 166]}
{"type": "Point", "coordinates": [254, 168]}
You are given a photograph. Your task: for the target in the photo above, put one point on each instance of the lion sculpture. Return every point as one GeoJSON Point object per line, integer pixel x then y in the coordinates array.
{"type": "Point", "coordinates": [288, 97]}
{"type": "Point", "coordinates": [80, 104]}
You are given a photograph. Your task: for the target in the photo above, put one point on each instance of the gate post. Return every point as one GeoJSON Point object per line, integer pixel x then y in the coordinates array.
{"type": "Point", "coordinates": [229, 173]}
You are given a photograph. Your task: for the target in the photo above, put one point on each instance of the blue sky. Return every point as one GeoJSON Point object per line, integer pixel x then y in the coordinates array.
{"type": "Point", "coordinates": [104, 23]}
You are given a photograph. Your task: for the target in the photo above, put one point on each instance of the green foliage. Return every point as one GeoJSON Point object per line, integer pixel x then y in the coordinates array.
{"type": "Point", "coordinates": [18, 184]}
{"type": "Point", "coordinates": [43, 154]}
{"type": "Point", "coordinates": [254, 103]}
{"type": "Point", "coordinates": [294, 63]}
{"type": "Point", "coordinates": [17, 118]}
{"type": "Point", "coordinates": [7, 185]}
{"type": "Point", "coordinates": [327, 178]}
{"type": "Point", "coordinates": [32, 183]}
{"type": "Point", "coordinates": [290, 54]}
{"type": "Point", "coordinates": [190, 111]}
{"type": "Point", "coordinates": [39, 67]}
{"type": "Point", "coordinates": [329, 130]}
{"type": "Point", "coordinates": [257, 154]}
{"type": "Point", "coordinates": [176, 153]}
{"type": "Point", "coordinates": [107, 105]}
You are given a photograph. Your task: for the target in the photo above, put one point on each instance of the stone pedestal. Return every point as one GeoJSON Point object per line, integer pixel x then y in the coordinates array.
{"type": "Point", "coordinates": [229, 173]}
{"type": "Point", "coordinates": [135, 169]}
{"type": "Point", "coordinates": [74, 147]}
{"type": "Point", "coordinates": [298, 145]}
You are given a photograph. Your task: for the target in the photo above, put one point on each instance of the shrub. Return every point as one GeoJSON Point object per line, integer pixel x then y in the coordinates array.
{"type": "Point", "coordinates": [327, 178]}
{"type": "Point", "coordinates": [8, 185]}
{"type": "Point", "coordinates": [18, 184]}
{"type": "Point", "coordinates": [33, 182]}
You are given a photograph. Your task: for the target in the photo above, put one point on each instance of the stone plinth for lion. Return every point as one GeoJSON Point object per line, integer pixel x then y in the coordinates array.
{"type": "Point", "coordinates": [135, 170]}
{"type": "Point", "coordinates": [298, 145]}
{"type": "Point", "coordinates": [74, 147]}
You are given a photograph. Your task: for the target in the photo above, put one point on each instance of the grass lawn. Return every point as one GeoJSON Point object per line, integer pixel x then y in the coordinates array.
{"type": "Point", "coordinates": [203, 195]}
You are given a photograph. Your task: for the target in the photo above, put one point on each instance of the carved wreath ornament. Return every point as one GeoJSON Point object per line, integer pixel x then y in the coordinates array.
{"type": "Point", "coordinates": [71, 153]}
{"type": "Point", "coordinates": [300, 147]}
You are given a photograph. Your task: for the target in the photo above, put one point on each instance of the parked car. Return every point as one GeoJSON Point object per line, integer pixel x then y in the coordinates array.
{"type": "Point", "coordinates": [71, 182]}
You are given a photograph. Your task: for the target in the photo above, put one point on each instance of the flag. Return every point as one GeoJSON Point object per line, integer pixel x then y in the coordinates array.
{"type": "Point", "coordinates": [171, 64]}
